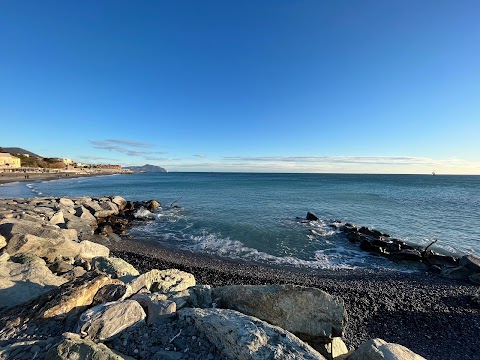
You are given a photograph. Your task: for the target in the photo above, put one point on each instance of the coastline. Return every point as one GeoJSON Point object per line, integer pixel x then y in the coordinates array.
{"type": "Point", "coordinates": [437, 318]}
{"type": "Point", "coordinates": [431, 315]}
{"type": "Point", "coordinates": [7, 178]}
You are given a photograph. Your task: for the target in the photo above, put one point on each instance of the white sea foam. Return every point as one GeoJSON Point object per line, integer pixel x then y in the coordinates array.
{"type": "Point", "coordinates": [143, 213]}
{"type": "Point", "coordinates": [211, 243]}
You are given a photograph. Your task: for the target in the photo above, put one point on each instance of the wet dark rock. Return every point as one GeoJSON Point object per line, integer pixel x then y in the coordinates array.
{"type": "Point", "coordinates": [104, 228]}
{"type": "Point", "coordinates": [470, 262]}
{"type": "Point", "coordinates": [407, 254]}
{"type": "Point", "coordinates": [311, 216]}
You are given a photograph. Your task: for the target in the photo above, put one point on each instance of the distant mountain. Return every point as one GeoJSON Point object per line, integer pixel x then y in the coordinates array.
{"type": "Point", "coordinates": [146, 168]}
{"type": "Point", "coordinates": [16, 150]}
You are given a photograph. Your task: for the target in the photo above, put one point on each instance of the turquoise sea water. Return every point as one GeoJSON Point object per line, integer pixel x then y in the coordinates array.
{"type": "Point", "coordinates": [253, 216]}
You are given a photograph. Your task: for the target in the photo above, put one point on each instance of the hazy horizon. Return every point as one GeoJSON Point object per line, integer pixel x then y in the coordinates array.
{"type": "Point", "coordinates": [272, 87]}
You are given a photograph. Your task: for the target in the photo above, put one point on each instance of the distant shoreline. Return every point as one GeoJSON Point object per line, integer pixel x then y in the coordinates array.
{"type": "Point", "coordinates": [6, 178]}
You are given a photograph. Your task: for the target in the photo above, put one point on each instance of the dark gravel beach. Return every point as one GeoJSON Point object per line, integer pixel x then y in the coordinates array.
{"type": "Point", "coordinates": [435, 317]}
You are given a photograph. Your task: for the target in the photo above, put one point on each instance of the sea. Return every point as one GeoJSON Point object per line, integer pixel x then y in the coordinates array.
{"type": "Point", "coordinates": [259, 217]}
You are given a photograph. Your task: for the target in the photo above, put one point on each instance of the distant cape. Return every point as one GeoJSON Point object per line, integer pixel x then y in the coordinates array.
{"type": "Point", "coordinates": [146, 168]}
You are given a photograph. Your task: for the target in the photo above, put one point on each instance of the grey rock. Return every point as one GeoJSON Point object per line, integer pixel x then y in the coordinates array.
{"type": "Point", "coordinates": [378, 349]}
{"type": "Point", "coordinates": [157, 307]}
{"type": "Point", "coordinates": [196, 296]}
{"type": "Point", "coordinates": [12, 227]}
{"type": "Point", "coordinates": [27, 258]}
{"type": "Point", "coordinates": [22, 282]}
{"type": "Point", "coordinates": [89, 250]}
{"type": "Point", "coordinates": [300, 310]}
{"type": "Point", "coordinates": [470, 262]}
{"type": "Point", "coordinates": [43, 247]}
{"type": "Point", "coordinates": [459, 272]}
{"type": "Point", "coordinates": [104, 321]}
{"type": "Point", "coordinates": [85, 215]}
{"type": "Point", "coordinates": [74, 347]}
{"type": "Point", "coordinates": [113, 266]}
{"type": "Point", "coordinates": [66, 202]}
{"type": "Point", "coordinates": [163, 281]}
{"type": "Point", "coordinates": [242, 337]}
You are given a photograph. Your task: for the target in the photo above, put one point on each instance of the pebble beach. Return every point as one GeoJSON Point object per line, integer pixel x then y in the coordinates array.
{"type": "Point", "coordinates": [435, 317]}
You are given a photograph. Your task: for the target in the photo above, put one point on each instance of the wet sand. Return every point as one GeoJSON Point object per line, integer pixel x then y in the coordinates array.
{"type": "Point", "coordinates": [433, 316]}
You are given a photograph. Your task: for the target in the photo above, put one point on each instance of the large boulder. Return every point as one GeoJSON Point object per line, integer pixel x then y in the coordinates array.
{"type": "Point", "coordinates": [157, 307]}
{"type": "Point", "coordinates": [84, 227]}
{"type": "Point", "coordinates": [12, 227]}
{"type": "Point", "coordinates": [89, 250]}
{"type": "Point", "coordinates": [113, 266]}
{"type": "Point", "coordinates": [242, 337]}
{"type": "Point", "coordinates": [43, 247]}
{"type": "Point", "coordinates": [470, 262]}
{"type": "Point", "coordinates": [22, 282]}
{"type": "Point", "coordinates": [72, 297]}
{"type": "Point", "coordinates": [302, 310]}
{"type": "Point", "coordinates": [83, 214]}
{"type": "Point", "coordinates": [199, 296]}
{"type": "Point", "coordinates": [120, 202]}
{"type": "Point", "coordinates": [378, 349]}
{"type": "Point", "coordinates": [66, 202]}
{"type": "Point", "coordinates": [104, 321]}
{"type": "Point", "coordinates": [57, 218]}
{"type": "Point", "coordinates": [74, 347]}
{"type": "Point", "coordinates": [55, 247]}
{"type": "Point", "coordinates": [114, 291]}
{"type": "Point", "coordinates": [101, 209]}
{"type": "Point", "coordinates": [163, 281]}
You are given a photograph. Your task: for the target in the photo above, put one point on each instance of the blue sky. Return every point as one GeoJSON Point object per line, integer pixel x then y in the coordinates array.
{"type": "Point", "coordinates": [293, 86]}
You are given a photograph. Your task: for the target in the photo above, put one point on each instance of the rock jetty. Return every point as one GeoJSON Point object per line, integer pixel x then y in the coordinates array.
{"type": "Point", "coordinates": [379, 243]}
{"type": "Point", "coordinates": [62, 296]}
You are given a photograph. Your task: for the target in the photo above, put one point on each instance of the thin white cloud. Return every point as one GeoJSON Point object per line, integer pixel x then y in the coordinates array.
{"type": "Point", "coordinates": [125, 147]}
{"type": "Point", "coordinates": [94, 158]}
{"type": "Point", "coordinates": [130, 143]}
{"type": "Point", "coordinates": [333, 164]}
{"type": "Point", "coordinates": [389, 160]}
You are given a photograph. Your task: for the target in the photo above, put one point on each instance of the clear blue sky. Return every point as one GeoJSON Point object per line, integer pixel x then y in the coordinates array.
{"type": "Point", "coordinates": [321, 86]}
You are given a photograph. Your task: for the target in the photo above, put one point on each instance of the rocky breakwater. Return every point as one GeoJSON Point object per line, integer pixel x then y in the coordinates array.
{"type": "Point", "coordinates": [379, 243]}
{"type": "Point", "coordinates": [64, 297]}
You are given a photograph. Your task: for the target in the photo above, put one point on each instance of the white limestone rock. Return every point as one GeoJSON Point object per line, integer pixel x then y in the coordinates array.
{"type": "Point", "coordinates": [104, 321]}
{"type": "Point", "coordinates": [298, 309]}
{"type": "Point", "coordinates": [243, 337]}
{"type": "Point", "coordinates": [378, 349]}
{"type": "Point", "coordinates": [23, 282]}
